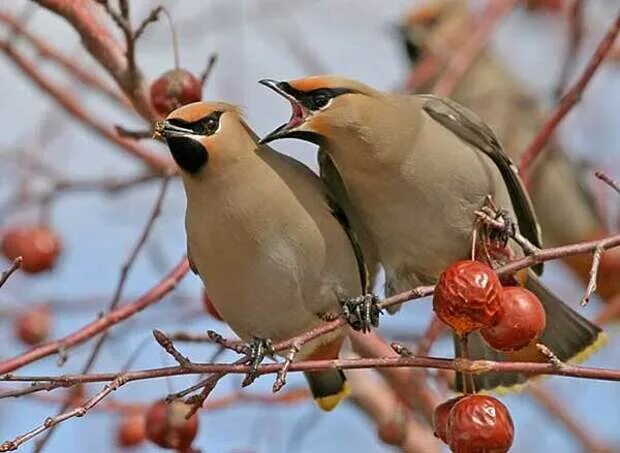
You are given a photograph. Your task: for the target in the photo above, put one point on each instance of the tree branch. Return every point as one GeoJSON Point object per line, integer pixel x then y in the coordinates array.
{"type": "Point", "coordinates": [571, 98]}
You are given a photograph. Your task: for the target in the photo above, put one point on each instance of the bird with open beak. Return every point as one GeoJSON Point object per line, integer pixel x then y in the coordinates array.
{"type": "Point", "coordinates": [267, 239]}
{"type": "Point", "coordinates": [416, 169]}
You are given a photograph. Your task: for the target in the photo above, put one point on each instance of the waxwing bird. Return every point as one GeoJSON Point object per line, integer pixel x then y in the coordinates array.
{"type": "Point", "coordinates": [416, 169]}
{"type": "Point", "coordinates": [566, 208]}
{"type": "Point", "coordinates": [265, 236]}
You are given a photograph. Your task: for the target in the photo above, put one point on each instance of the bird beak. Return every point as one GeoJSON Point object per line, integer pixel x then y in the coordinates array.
{"type": "Point", "coordinates": [165, 129]}
{"type": "Point", "coordinates": [299, 112]}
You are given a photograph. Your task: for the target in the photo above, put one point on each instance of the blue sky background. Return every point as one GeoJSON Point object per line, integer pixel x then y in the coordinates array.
{"type": "Point", "coordinates": [350, 37]}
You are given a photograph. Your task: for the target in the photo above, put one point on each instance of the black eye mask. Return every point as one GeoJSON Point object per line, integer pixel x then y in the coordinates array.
{"type": "Point", "coordinates": [204, 126]}
{"type": "Point", "coordinates": [316, 99]}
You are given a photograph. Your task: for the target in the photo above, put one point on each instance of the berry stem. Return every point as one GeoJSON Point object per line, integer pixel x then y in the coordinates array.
{"type": "Point", "coordinates": [175, 41]}
{"type": "Point", "coordinates": [468, 380]}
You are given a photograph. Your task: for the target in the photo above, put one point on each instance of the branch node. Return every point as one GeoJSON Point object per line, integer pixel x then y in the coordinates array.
{"type": "Point", "coordinates": [282, 372]}
{"type": "Point", "coordinates": [401, 350]}
{"type": "Point", "coordinates": [550, 356]}
{"type": "Point", "coordinates": [168, 346]}
{"type": "Point", "coordinates": [596, 261]}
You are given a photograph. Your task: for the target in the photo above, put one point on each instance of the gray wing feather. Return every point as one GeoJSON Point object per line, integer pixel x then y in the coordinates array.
{"type": "Point", "coordinates": [466, 125]}
{"type": "Point", "coordinates": [346, 215]}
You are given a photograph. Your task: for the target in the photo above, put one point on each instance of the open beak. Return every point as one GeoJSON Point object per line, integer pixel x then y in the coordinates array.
{"type": "Point", "coordinates": [164, 129]}
{"type": "Point", "coordinates": [299, 112]}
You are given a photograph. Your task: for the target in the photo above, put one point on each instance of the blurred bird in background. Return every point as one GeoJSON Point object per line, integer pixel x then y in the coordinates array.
{"type": "Point", "coordinates": [566, 209]}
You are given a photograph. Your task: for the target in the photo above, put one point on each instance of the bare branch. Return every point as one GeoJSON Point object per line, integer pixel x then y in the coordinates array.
{"type": "Point", "coordinates": [571, 98]}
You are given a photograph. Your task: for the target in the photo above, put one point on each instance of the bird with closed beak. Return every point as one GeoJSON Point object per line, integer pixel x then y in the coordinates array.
{"type": "Point", "coordinates": [416, 169]}
{"type": "Point", "coordinates": [265, 236]}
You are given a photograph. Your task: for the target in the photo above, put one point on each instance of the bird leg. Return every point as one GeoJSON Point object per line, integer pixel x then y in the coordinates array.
{"type": "Point", "coordinates": [258, 349]}
{"type": "Point", "coordinates": [361, 312]}
{"type": "Point", "coordinates": [504, 229]}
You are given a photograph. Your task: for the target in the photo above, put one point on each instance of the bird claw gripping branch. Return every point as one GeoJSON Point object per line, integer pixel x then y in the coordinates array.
{"type": "Point", "coordinates": [508, 230]}
{"type": "Point", "coordinates": [361, 312]}
{"type": "Point", "coordinates": [258, 349]}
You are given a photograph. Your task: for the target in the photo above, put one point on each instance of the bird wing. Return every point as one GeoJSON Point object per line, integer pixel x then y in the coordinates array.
{"type": "Point", "coordinates": [466, 125]}
{"type": "Point", "coordinates": [340, 204]}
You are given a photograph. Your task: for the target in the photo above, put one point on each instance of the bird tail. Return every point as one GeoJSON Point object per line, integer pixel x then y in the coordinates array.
{"type": "Point", "coordinates": [570, 336]}
{"type": "Point", "coordinates": [328, 388]}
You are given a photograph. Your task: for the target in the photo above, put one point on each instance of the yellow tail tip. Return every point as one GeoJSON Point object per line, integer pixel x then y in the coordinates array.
{"type": "Point", "coordinates": [327, 403]}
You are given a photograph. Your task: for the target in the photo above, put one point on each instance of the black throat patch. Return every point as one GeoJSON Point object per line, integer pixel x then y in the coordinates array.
{"type": "Point", "coordinates": [188, 153]}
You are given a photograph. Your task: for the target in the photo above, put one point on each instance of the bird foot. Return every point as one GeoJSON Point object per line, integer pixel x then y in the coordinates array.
{"type": "Point", "coordinates": [361, 312]}
{"type": "Point", "coordinates": [258, 349]}
{"type": "Point", "coordinates": [504, 233]}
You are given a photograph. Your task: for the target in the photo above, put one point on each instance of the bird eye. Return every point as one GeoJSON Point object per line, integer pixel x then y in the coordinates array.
{"type": "Point", "coordinates": [320, 100]}
{"type": "Point", "coordinates": [210, 124]}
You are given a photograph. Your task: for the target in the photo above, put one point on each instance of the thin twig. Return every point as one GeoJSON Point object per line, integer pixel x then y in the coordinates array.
{"type": "Point", "coordinates": [17, 263]}
{"type": "Point", "coordinates": [153, 295]}
{"type": "Point", "coordinates": [208, 70]}
{"type": "Point", "coordinates": [100, 43]}
{"type": "Point", "coordinates": [550, 356]}
{"type": "Point", "coordinates": [71, 104]}
{"type": "Point", "coordinates": [71, 65]}
{"type": "Point", "coordinates": [167, 344]}
{"type": "Point", "coordinates": [288, 360]}
{"type": "Point", "coordinates": [571, 98]}
{"type": "Point", "coordinates": [609, 181]}
{"type": "Point", "coordinates": [596, 261]}
{"type": "Point", "coordinates": [116, 298]}
{"type": "Point", "coordinates": [181, 269]}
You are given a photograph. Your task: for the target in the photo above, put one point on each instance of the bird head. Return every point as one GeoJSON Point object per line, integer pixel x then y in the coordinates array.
{"type": "Point", "coordinates": [427, 22]}
{"type": "Point", "coordinates": [203, 134]}
{"type": "Point", "coordinates": [321, 107]}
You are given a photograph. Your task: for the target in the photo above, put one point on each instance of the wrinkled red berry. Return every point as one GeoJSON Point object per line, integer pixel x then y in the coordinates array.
{"type": "Point", "coordinates": [520, 321]}
{"type": "Point", "coordinates": [209, 307]}
{"type": "Point", "coordinates": [467, 296]}
{"type": "Point", "coordinates": [174, 89]}
{"type": "Point", "coordinates": [132, 430]}
{"type": "Point", "coordinates": [167, 427]}
{"type": "Point", "coordinates": [479, 424]}
{"type": "Point", "coordinates": [37, 245]}
{"type": "Point", "coordinates": [440, 418]}
{"type": "Point", "coordinates": [33, 325]}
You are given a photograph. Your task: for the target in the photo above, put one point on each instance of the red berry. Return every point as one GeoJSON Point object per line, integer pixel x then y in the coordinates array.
{"type": "Point", "coordinates": [33, 325]}
{"type": "Point", "coordinates": [174, 89]}
{"type": "Point", "coordinates": [132, 430]}
{"type": "Point", "coordinates": [520, 321]}
{"type": "Point", "coordinates": [209, 307]}
{"type": "Point", "coordinates": [167, 427]}
{"type": "Point", "coordinates": [440, 418]}
{"type": "Point", "coordinates": [37, 245]}
{"type": "Point", "coordinates": [480, 424]}
{"type": "Point", "coordinates": [467, 296]}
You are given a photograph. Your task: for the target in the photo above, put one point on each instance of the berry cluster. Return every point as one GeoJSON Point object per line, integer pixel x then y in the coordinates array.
{"type": "Point", "coordinates": [469, 297]}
